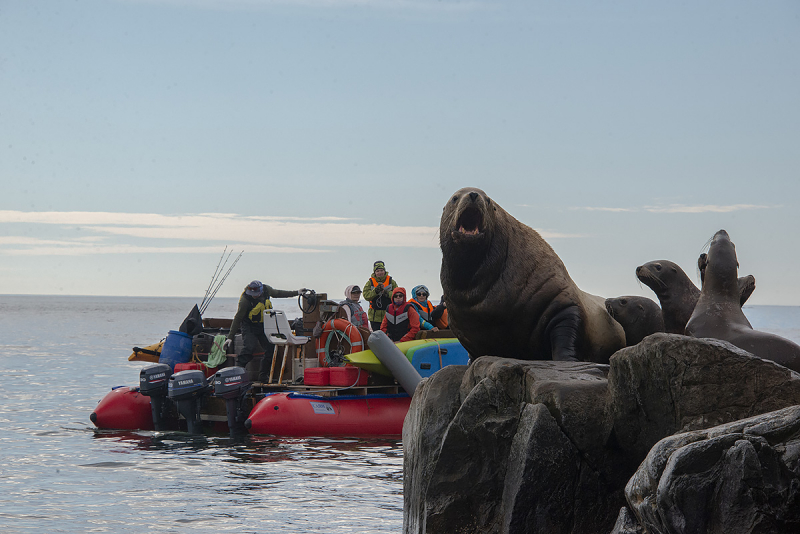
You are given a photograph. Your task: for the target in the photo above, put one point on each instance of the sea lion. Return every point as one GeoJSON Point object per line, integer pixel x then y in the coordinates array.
{"type": "Point", "coordinates": [747, 284]}
{"type": "Point", "coordinates": [509, 294]}
{"type": "Point", "coordinates": [677, 293]}
{"type": "Point", "coordinates": [639, 317]}
{"type": "Point", "coordinates": [719, 315]}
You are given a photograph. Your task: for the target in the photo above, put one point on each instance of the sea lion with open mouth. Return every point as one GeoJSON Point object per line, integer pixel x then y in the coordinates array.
{"type": "Point", "coordinates": [509, 294]}
{"type": "Point", "coordinates": [719, 315]}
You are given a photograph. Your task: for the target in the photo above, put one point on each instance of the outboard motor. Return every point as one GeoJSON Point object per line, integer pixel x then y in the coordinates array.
{"type": "Point", "coordinates": [232, 384]}
{"type": "Point", "coordinates": [186, 389]}
{"type": "Point", "coordinates": [153, 380]}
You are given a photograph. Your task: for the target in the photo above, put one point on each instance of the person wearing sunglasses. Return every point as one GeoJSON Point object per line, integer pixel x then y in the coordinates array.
{"type": "Point", "coordinates": [419, 299]}
{"type": "Point", "coordinates": [401, 320]}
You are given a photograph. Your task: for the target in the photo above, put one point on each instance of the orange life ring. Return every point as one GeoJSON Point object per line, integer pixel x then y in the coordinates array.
{"type": "Point", "coordinates": [347, 329]}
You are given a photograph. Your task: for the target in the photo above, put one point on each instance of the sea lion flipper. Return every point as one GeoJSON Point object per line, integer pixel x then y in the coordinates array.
{"type": "Point", "coordinates": [562, 331]}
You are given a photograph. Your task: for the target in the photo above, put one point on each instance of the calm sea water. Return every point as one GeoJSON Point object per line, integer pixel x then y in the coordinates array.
{"type": "Point", "coordinates": [60, 355]}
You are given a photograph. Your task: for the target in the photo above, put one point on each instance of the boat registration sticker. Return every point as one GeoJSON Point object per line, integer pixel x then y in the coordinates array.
{"type": "Point", "coordinates": [323, 408]}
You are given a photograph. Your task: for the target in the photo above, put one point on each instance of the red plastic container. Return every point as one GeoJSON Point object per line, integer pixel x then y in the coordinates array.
{"type": "Point", "coordinates": [191, 366]}
{"type": "Point", "coordinates": [317, 376]}
{"type": "Point", "coordinates": [348, 376]}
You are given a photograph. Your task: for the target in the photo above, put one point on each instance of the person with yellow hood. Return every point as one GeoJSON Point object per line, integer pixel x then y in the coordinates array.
{"type": "Point", "coordinates": [378, 292]}
{"type": "Point", "coordinates": [249, 319]}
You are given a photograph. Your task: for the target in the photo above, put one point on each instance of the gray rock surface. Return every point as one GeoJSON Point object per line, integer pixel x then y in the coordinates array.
{"type": "Point", "coordinates": [539, 446]}
{"type": "Point", "coordinates": [737, 478]}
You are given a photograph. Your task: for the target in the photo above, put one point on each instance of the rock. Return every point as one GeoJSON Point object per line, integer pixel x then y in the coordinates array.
{"type": "Point", "coordinates": [627, 523]}
{"type": "Point", "coordinates": [670, 383]}
{"type": "Point", "coordinates": [541, 446]}
{"type": "Point", "coordinates": [517, 455]}
{"type": "Point", "coordinates": [737, 478]}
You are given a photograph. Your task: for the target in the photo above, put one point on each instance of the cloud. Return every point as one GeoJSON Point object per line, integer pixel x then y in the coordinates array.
{"type": "Point", "coordinates": [681, 208]}
{"type": "Point", "coordinates": [143, 233]}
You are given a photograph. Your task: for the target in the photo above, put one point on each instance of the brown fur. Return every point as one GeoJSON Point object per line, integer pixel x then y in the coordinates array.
{"type": "Point", "coordinates": [719, 315]}
{"type": "Point", "coordinates": [509, 294]}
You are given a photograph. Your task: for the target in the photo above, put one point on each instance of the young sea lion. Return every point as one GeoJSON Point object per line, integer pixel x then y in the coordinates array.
{"type": "Point", "coordinates": [719, 315]}
{"type": "Point", "coordinates": [677, 293]}
{"type": "Point", "coordinates": [639, 317]}
{"type": "Point", "coordinates": [509, 294]}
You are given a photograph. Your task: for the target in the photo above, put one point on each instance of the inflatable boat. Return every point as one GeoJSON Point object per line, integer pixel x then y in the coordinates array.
{"type": "Point", "coordinates": [359, 399]}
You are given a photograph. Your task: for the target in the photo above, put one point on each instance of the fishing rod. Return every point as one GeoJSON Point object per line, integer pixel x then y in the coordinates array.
{"type": "Point", "coordinates": [222, 281]}
{"type": "Point", "coordinates": [208, 298]}
{"type": "Point", "coordinates": [213, 277]}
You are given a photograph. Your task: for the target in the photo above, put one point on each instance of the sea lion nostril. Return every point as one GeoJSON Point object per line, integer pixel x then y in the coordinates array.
{"type": "Point", "coordinates": [473, 196]}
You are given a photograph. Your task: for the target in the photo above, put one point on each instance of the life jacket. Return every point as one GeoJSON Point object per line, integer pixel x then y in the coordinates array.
{"type": "Point", "coordinates": [424, 313]}
{"type": "Point", "coordinates": [382, 301]}
{"type": "Point", "coordinates": [397, 321]}
{"type": "Point", "coordinates": [256, 313]}
{"type": "Point", "coordinates": [357, 314]}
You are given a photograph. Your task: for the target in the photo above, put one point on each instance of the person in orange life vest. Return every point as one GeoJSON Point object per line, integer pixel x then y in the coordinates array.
{"type": "Point", "coordinates": [401, 321]}
{"type": "Point", "coordinates": [350, 309]}
{"type": "Point", "coordinates": [378, 292]}
{"type": "Point", "coordinates": [419, 299]}
{"type": "Point", "coordinates": [439, 315]}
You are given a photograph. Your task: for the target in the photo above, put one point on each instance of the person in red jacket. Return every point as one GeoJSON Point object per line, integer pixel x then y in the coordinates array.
{"type": "Point", "coordinates": [401, 322]}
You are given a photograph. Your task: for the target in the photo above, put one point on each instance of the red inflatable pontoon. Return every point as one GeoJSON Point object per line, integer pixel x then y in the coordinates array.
{"type": "Point", "coordinates": [302, 415]}
{"type": "Point", "coordinates": [124, 408]}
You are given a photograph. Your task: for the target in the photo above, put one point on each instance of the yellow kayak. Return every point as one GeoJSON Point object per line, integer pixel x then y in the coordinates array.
{"type": "Point", "coordinates": [150, 353]}
{"type": "Point", "coordinates": [368, 361]}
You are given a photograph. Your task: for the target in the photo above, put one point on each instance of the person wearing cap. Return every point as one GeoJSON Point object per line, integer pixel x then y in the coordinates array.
{"type": "Point", "coordinates": [401, 320]}
{"type": "Point", "coordinates": [419, 300]}
{"type": "Point", "coordinates": [249, 319]}
{"type": "Point", "coordinates": [350, 309]}
{"type": "Point", "coordinates": [377, 291]}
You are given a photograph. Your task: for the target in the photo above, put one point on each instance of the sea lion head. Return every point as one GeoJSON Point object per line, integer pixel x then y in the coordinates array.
{"type": "Point", "coordinates": [657, 275]}
{"type": "Point", "coordinates": [721, 269]}
{"type": "Point", "coordinates": [467, 219]}
{"type": "Point", "coordinates": [471, 238]}
{"type": "Point", "coordinates": [617, 307]}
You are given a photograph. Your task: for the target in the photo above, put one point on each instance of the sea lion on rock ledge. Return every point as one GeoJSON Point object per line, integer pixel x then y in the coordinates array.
{"type": "Point", "coordinates": [508, 293]}
{"type": "Point", "coordinates": [719, 315]}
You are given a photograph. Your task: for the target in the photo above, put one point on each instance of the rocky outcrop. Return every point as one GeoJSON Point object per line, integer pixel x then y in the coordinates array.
{"type": "Point", "coordinates": [741, 477]}
{"type": "Point", "coordinates": [539, 446]}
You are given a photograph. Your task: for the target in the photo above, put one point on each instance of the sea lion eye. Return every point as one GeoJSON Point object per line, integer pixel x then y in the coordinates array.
{"type": "Point", "coordinates": [658, 266]}
{"type": "Point", "coordinates": [623, 302]}
{"type": "Point", "coordinates": [455, 199]}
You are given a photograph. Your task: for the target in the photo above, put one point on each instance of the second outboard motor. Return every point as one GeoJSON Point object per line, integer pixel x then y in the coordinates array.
{"type": "Point", "coordinates": [186, 390]}
{"type": "Point", "coordinates": [232, 384]}
{"type": "Point", "coordinates": [153, 380]}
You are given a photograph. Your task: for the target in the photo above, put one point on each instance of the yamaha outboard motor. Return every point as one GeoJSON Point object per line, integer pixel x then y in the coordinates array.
{"type": "Point", "coordinates": [232, 384]}
{"type": "Point", "coordinates": [153, 380]}
{"type": "Point", "coordinates": [186, 390]}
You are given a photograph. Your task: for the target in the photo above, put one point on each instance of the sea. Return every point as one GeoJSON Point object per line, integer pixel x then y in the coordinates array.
{"type": "Point", "coordinates": [60, 355]}
{"type": "Point", "coordinates": [58, 473]}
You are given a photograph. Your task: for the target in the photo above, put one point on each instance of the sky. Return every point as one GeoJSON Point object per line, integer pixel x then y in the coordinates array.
{"type": "Point", "coordinates": [139, 139]}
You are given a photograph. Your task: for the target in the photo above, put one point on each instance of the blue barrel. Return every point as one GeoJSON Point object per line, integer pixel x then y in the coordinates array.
{"type": "Point", "coordinates": [177, 349]}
